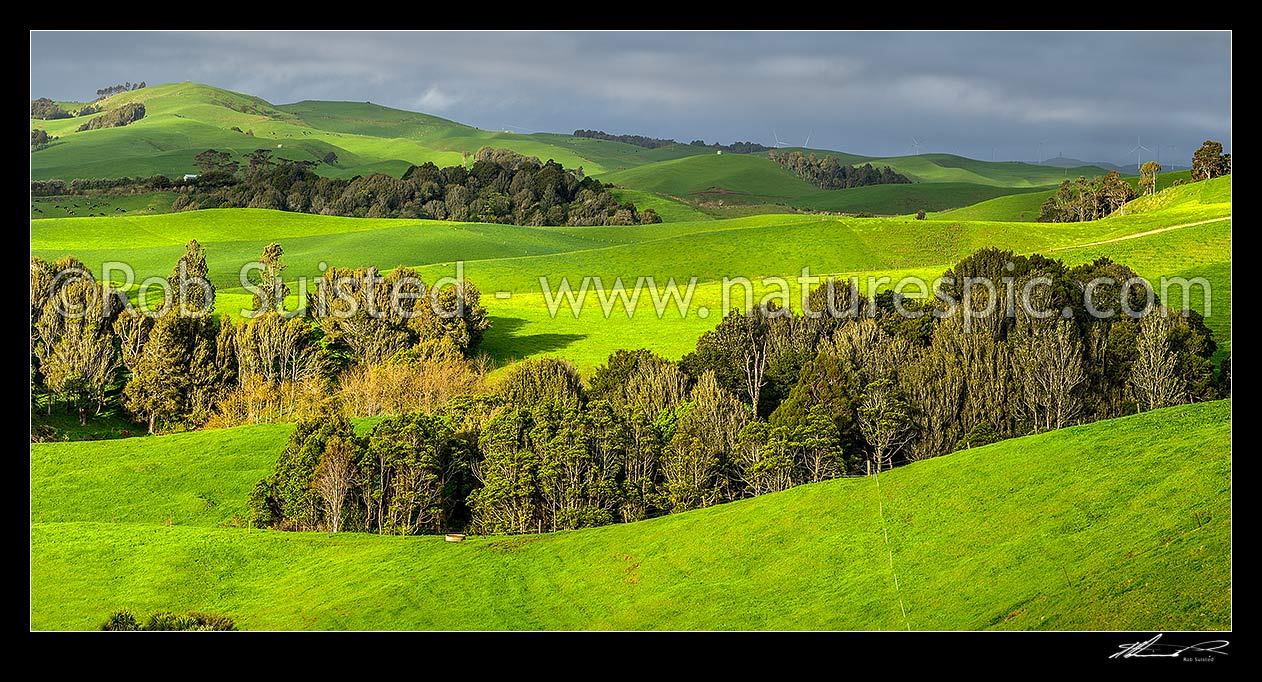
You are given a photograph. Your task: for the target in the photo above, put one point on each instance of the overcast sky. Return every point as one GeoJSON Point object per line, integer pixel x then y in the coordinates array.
{"type": "Point", "coordinates": [1088, 95]}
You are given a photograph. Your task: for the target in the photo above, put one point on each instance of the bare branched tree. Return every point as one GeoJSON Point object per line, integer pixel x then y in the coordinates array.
{"type": "Point", "coordinates": [334, 478]}
{"type": "Point", "coordinates": [1048, 365]}
{"type": "Point", "coordinates": [1154, 375]}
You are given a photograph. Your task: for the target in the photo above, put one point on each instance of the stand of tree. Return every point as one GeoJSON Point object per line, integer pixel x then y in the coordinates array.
{"type": "Point", "coordinates": [1083, 199]}
{"type": "Point", "coordinates": [115, 89]}
{"type": "Point", "coordinates": [47, 110]}
{"type": "Point", "coordinates": [1210, 162]}
{"type": "Point", "coordinates": [655, 142]}
{"type": "Point", "coordinates": [185, 367]}
{"type": "Point", "coordinates": [737, 147]}
{"type": "Point", "coordinates": [124, 185]}
{"type": "Point", "coordinates": [829, 173]}
{"type": "Point", "coordinates": [116, 118]}
{"type": "Point", "coordinates": [768, 400]}
{"type": "Point", "coordinates": [500, 187]}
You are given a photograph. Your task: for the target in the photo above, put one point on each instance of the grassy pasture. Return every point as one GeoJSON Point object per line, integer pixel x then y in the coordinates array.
{"type": "Point", "coordinates": [1122, 524]}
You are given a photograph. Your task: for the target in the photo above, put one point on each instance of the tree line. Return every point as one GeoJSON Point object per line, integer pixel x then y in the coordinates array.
{"type": "Point", "coordinates": [123, 185]}
{"type": "Point", "coordinates": [656, 142]}
{"type": "Point", "coordinates": [48, 110]}
{"type": "Point", "coordinates": [183, 367]}
{"type": "Point", "coordinates": [501, 186]}
{"type": "Point", "coordinates": [116, 118]}
{"type": "Point", "coordinates": [115, 89]}
{"type": "Point", "coordinates": [1083, 199]}
{"type": "Point", "coordinates": [737, 147]}
{"type": "Point", "coordinates": [637, 140]}
{"type": "Point", "coordinates": [829, 173]}
{"type": "Point", "coordinates": [769, 399]}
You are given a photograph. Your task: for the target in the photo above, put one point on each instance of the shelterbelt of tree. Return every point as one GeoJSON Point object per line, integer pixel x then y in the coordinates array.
{"type": "Point", "coordinates": [1171, 238]}
{"type": "Point", "coordinates": [1121, 524]}
{"type": "Point", "coordinates": [182, 120]}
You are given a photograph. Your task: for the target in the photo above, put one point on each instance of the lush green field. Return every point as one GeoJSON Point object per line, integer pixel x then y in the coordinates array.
{"type": "Point", "coordinates": [671, 210]}
{"type": "Point", "coordinates": [1123, 524]}
{"type": "Point", "coordinates": [754, 179]}
{"type": "Point", "coordinates": [147, 203]}
{"type": "Point", "coordinates": [197, 478]}
{"type": "Point", "coordinates": [112, 422]}
{"type": "Point", "coordinates": [1011, 208]}
{"type": "Point", "coordinates": [512, 258]}
{"type": "Point", "coordinates": [952, 168]}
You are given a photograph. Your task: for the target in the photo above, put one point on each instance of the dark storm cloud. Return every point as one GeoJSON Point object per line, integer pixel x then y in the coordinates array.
{"type": "Point", "coordinates": [1088, 95]}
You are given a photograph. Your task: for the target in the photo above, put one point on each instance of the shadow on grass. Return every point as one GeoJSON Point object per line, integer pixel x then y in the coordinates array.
{"type": "Point", "coordinates": [504, 340]}
{"type": "Point", "coordinates": [64, 425]}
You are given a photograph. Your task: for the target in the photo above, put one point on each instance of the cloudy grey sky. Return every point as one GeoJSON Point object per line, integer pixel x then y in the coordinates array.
{"type": "Point", "coordinates": [1087, 94]}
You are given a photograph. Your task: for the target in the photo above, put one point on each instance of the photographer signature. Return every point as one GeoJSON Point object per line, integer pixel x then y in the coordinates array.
{"type": "Point", "coordinates": [1154, 649]}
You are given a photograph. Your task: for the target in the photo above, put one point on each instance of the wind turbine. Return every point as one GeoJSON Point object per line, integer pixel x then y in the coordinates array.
{"type": "Point", "coordinates": [1164, 146]}
{"type": "Point", "coordinates": [778, 142]}
{"type": "Point", "coordinates": [1138, 153]}
{"type": "Point", "coordinates": [916, 145]}
{"type": "Point", "coordinates": [808, 139]}
{"type": "Point", "coordinates": [1039, 153]}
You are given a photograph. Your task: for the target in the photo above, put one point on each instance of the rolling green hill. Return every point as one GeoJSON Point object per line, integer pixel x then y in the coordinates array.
{"type": "Point", "coordinates": [754, 179]}
{"type": "Point", "coordinates": [512, 258]}
{"type": "Point", "coordinates": [184, 119]}
{"type": "Point", "coordinates": [727, 177]}
{"type": "Point", "coordinates": [1026, 207]}
{"type": "Point", "coordinates": [671, 210]}
{"type": "Point", "coordinates": [1013, 208]}
{"type": "Point", "coordinates": [952, 168]}
{"type": "Point", "coordinates": [1122, 524]}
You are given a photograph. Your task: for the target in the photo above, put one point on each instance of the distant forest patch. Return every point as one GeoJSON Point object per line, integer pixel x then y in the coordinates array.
{"type": "Point", "coordinates": [117, 118]}
{"type": "Point", "coordinates": [47, 110]}
{"type": "Point", "coordinates": [501, 186]}
{"type": "Point", "coordinates": [829, 173]}
{"type": "Point", "coordinates": [655, 142]}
